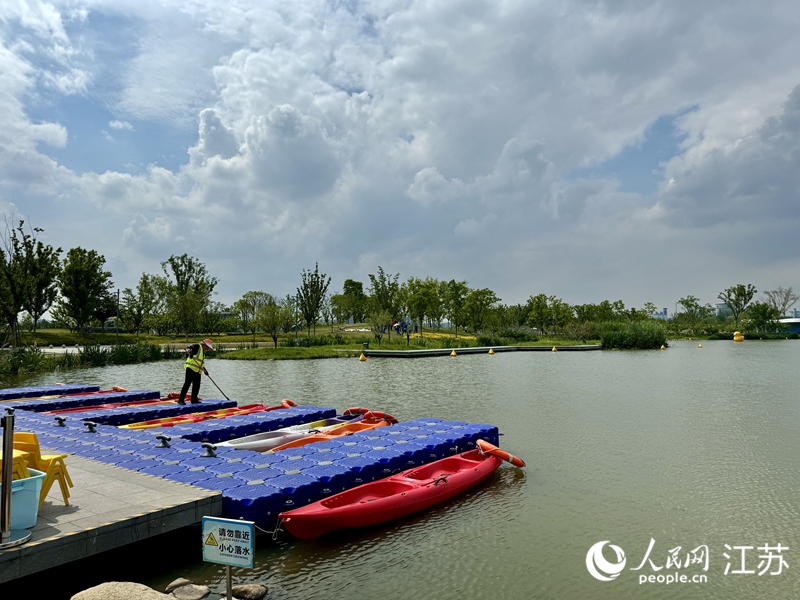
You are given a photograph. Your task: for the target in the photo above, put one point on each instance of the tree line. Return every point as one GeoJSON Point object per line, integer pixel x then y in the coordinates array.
{"type": "Point", "coordinates": [178, 300]}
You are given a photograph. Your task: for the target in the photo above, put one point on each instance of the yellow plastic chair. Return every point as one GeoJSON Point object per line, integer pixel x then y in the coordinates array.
{"type": "Point", "coordinates": [53, 465]}
{"type": "Point", "coordinates": [19, 464]}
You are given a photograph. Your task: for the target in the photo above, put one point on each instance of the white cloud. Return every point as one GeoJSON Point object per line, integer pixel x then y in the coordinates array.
{"type": "Point", "coordinates": [400, 133]}
{"type": "Point", "coordinates": [121, 125]}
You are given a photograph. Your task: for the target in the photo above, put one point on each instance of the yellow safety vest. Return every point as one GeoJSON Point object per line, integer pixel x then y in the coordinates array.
{"type": "Point", "coordinates": [195, 363]}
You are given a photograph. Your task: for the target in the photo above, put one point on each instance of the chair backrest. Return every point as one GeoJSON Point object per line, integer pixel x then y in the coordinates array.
{"type": "Point", "coordinates": [28, 442]}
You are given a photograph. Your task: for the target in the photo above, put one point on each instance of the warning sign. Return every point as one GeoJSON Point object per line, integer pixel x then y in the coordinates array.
{"type": "Point", "coordinates": [228, 542]}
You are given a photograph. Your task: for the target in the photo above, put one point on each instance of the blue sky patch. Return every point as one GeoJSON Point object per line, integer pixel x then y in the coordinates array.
{"type": "Point", "coordinates": [638, 167]}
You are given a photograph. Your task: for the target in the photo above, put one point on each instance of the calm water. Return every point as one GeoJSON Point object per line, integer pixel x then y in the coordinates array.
{"type": "Point", "coordinates": [688, 447]}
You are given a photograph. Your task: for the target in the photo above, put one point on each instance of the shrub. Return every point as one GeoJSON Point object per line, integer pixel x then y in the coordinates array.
{"type": "Point", "coordinates": [634, 335]}
{"type": "Point", "coordinates": [517, 335]}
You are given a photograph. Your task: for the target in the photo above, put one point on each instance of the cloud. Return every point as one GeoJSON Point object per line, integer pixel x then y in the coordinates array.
{"type": "Point", "coordinates": [402, 133]}
{"type": "Point", "coordinates": [122, 125]}
{"type": "Point", "coordinates": [753, 179]}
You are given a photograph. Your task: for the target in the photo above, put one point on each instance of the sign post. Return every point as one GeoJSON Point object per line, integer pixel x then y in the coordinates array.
{"type": "Point", "coordinates": [228, 542]}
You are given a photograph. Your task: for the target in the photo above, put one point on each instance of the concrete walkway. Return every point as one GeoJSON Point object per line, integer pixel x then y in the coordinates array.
{"type": "Point", "coordinates": [109, 507]}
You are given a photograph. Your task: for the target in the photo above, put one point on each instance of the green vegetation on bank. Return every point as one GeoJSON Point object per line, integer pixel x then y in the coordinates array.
{"type": "Point", "coordinates": [637, 335]}
{"type": "Point", "coordinates": [25, 360]}
{"type": "Point", "coordinates": [176, 304]}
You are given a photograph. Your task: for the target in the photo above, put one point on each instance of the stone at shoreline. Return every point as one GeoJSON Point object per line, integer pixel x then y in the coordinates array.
{"type": "Point", "coordinates": [249, 591]}
{"type": "Point", "coordinates": [120, 590]}
{"type": "Point", "coordinates": [191, 592]}
{"type": "Point", "coordinates": [179, 582]}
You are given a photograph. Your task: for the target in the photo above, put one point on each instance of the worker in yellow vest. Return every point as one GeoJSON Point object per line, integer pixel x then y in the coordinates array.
{"type": "Point", "coordinates": [194, 366]}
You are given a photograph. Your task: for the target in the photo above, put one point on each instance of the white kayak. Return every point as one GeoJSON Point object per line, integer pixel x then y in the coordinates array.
{"type": "Point", "coordinates": [261, 442]}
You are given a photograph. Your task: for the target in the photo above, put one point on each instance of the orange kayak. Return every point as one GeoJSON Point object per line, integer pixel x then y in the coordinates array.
{"type": "Point", "coordinates": [206, 415]}
{"type": "Point", "coordinates": [369, 422]}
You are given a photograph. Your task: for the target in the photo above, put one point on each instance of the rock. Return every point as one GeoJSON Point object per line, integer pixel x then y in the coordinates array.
{"type": "Point", "coordinates": [250, 591]}
{"type": "Point", "coordinates": [179, 582]}
{"type": "Point", "coordinates": [191, 592]}
{"type": "Point", "coordinates": [120, 590]}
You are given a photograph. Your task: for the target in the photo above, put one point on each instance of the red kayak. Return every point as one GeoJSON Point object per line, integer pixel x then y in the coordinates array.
{"type": "Point", "coordinates": [170, 399]}
{"type": "Point", "coordinates": [395, 496]}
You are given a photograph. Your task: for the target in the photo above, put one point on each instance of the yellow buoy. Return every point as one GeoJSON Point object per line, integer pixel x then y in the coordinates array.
{"type": "Point", "coordinates": [663, 347]}
{"type": "Point", "coordinates": [453, 353]}
{"type": "Point", "coordinates": [699, 345]}
{"type": "Point", "coordinates": [491, 350]}
{"type": "Point", "coordinates": [554, 349]}
{"type": "Point", "coordinates": [362, 358]}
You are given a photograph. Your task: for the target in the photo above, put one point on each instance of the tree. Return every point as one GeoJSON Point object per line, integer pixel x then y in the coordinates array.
{"type": "Point", "coordinates": [189, 290]}
{"type": "Point", "coordinates": [311, 295]}
{"type": "Point", "coordinates": [106, 307]}
{"type": "Point", "coordinates": [560, 313]}
{"type": "Point", "coordinates": [339, 308]}
{"type": "Point", "coordinates": [211, 319]}
{"type": "Point", "coordinates": [763, 316]}
{"type": "Point", "coordinates": [649, 309]}
{"type": "Point", "coordinates": [27, 277]}
{"type": "Point", "coordinates": [270, 317]}
{"type": "Point", "coordinates": [416, 299]}
{"type": "Point", "coordinates": [84, 286]}
{"type": "Point", "coordinates": [138, 306]}
{"type": "Point", "coordinates": [384, 291]}
{"type": "Point", "coordinates": [355, 300]}
{"type": "Point", "coordinates": [380, 321]}
{"type": "Point", "coordinates": [160, 320]}
{"type": "Point", "coordinates": [326, 310]}
{"type": "Point", "coordinates": [44, 269]}
{"type": "Point", "coordinates": [289, 314]}
{"type": "Point", "coordinates": [246, 308]}
{"type": "Point", "coordinates": [736, 298]}
{"type": "Point", "coordinates": [477, 307]}
{"type": "Point", "coordinates": [782, 299]}
{"type": "Point", "coordinates": [455, 294]}
{"type": "Point", "coordinates": [693, 311]}
{"type": "Point", "coordinates": [538, 312]}
{"type": "Point", "coordinates": [435, 309]}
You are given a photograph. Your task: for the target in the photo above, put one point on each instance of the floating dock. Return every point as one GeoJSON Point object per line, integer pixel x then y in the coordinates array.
{"type": "Point", "coordinates": [475, 350]}
{"type": "Point", "coordinates": [109, 507]}
{"type": "Point", "coordinates": [225, 482]}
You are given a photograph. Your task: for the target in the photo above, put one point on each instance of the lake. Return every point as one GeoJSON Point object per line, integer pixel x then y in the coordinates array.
{"type": "Point", "coordinates": [688, 447]}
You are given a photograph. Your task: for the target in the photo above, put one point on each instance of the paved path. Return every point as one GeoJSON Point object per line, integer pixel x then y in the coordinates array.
{"type": "Point", "coordinates": [109, 507]}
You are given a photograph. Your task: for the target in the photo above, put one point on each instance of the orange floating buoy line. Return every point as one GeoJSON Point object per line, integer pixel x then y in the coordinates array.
{"type": "Point", "coordinates": [362, 358]}
{"type": "Point", "coordinates": [488, 448]}
{"type": "Point", "coordinates": [453, 353]}
{"type": "Point", "coordinates": [491, 350]}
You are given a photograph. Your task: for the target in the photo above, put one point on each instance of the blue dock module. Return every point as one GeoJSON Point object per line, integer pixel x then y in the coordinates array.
{"type": "Point", "coordinates": [46, 390]}
{"type": "Point", "coordinates": [47, 404]}
{"type": "Point", "coordinates": [255, 486]}
{"type": "Point", "coordinates": [137, 414]}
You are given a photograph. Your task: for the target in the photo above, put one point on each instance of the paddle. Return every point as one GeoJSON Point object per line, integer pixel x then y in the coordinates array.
{"type": "Point", "coordinates": [215, 384]}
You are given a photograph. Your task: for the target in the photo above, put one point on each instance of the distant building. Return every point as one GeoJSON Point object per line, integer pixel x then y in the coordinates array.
{"type": "Point", "coordinates": [722, 309]}
{"type": "Point", "coordinates": [660, 315]}
{"type": "Point", "coordinates": [793, 323]}
{"type": "Point", "coordinates": [793, 313]}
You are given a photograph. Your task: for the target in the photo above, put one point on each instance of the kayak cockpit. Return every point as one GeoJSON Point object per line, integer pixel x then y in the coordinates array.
{"type": "Point", "coordinates": [375, 491]}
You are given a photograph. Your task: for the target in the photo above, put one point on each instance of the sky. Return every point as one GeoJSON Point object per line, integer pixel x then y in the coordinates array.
{"type": "Point", "coordinates": [589, 150]}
